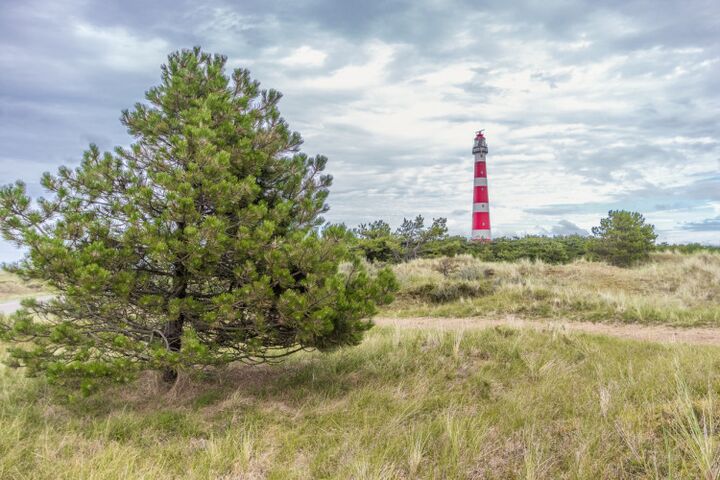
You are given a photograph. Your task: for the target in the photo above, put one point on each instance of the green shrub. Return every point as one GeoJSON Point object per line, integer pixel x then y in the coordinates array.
{"type": "Point", "coordinates": [532, 247]}
{"type": "Point", "coordinates": [450, 291]}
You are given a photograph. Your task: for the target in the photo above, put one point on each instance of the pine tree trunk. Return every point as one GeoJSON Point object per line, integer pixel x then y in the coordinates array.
{"type": "Point", "coordinates": [173, 329]}
{"type": "Point", "coordinates": [173, 335]}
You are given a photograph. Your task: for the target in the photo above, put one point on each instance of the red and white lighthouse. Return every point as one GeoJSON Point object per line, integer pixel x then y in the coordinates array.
{"type": "Point", "coordinates": [481, 204]}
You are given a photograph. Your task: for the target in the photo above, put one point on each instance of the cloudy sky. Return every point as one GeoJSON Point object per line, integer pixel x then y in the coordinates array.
{"type": "Point", "coordinates": [588, 105]}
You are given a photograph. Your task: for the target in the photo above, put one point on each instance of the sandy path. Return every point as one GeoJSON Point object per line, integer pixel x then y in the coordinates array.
{"type": "Point", "coordinates": [653, 333]}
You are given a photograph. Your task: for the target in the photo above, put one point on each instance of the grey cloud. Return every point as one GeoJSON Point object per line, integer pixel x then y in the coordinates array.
{"type": "Point", "coordinates": [707, 225]}
{"type": "Point", "coordinates": [551, 79]}
{"type": "Point", "coordinates": [162, 16]}
{"type": "Point", "coordinates": [565, 227]}
{"type": "Point", "coordinates": [555, 209]}
{"type": "Point", "coordinates": [700, 192]}
{"type": "Point", "coordinates": [667, 207]}
{"type": "Point", "coordinates": [475, 93]}
{"type": "Point", "coordinates": [60, 91]}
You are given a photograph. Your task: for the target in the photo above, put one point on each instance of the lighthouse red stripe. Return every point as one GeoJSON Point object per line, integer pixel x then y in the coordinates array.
{"type": "Point", "coordinates": [481, 221]}
{"type": "Point", "coordinates": [480, 170]}
{"type": "Point", "coordinates": [481, 194]}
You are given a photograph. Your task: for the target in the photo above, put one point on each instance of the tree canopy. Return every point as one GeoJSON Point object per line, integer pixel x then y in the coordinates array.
{"type": "Point", "coordinates": [412, 239]}
{"type": "Point", "coordinates": [197, 245]}
{"type": "Point", "coordinates": [623, 238]}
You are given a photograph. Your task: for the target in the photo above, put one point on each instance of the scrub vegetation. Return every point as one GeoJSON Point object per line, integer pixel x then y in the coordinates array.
{"type": "Point", "coordinates": [622, 239]}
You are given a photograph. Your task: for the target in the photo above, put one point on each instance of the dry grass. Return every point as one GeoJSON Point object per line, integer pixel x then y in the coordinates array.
{"type": "Point", "coordinates": [676, 289]}
{"type": "Point", "coordinates": [11, 287]}
{"type": "Point", "coordinates": [497, 403]}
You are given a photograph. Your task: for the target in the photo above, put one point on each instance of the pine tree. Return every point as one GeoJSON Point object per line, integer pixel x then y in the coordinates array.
{"type": "Point", "coordinates": [198, 245]}
{"type": "Point", "coordinates": [376, 241]}
{"type": "Point", "coordinates": [623, 238]}
{"type": "Point", "coordinates": [414, 236]}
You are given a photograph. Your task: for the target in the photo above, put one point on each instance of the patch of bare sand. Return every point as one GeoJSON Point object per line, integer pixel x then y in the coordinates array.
{"type": "Point", "coordinates": [652, 333]}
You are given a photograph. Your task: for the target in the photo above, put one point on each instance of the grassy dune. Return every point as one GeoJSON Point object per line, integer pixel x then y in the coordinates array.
{"type": "Point", "coordinates": [494, 403]}
{"type": "Point", "coordinates": [676, 289]}
{"type": "Point", "coordinates": [497, 403]}
{"type": "Point", "coordinates": [11, 287]}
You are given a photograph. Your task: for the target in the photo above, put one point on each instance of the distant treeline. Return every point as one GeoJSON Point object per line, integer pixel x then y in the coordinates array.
{"type": "Point", "coordinates": [378, 242]}
{"type": "Point", "coordinates": [687, 247]}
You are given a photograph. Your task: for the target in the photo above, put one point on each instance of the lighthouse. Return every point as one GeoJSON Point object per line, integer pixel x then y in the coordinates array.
{"type": "Point", "coordinates": [481, 205]}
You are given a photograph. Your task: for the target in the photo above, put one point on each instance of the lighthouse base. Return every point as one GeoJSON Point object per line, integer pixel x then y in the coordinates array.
{"type": "Point", "coordinates": [481, 235]}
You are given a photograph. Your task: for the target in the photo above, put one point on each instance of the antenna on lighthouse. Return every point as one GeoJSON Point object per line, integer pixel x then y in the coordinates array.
{"type": "Point", "coordinates": [481, 205]}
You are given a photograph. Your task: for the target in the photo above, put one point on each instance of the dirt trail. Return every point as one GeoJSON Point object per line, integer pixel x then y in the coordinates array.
{"type": "Point", "coordinates": [652, 333]}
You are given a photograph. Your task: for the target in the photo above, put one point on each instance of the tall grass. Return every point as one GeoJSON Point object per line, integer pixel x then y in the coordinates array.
{"type": "Point", "coordinates": [674, 288]}
{"type": "Point", "coordinates": [497, 403]}
{"type": "Point", "coordinates": [696, 430]}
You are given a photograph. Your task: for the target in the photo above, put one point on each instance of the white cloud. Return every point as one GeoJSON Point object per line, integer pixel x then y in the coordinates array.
{"type": "Point", "coordinates": [356, 76]}
{"type": "Point", "coordinates": [119, 49]}
{"type": "Point", "coordinates": [305, 56]}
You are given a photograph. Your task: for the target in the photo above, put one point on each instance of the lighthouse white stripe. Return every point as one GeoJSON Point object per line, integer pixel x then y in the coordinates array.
{"type": "Point", "coordinates": [481, 182]}
{"type": "Point", "coordinates": [480, 207]}
{"type": "Point", "coordinates": [479, 157]}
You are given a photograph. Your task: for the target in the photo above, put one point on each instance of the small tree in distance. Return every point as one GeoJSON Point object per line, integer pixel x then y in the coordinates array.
{"type": "Point", "coordinates": [412, 239]}
{"type": "Point", "coordinates": [376, 241]}
{"type": "Point", "coordinates": [623, 238]}
{"type": "Point", "coordinates": [414, 236]}
{"type": "Point", "coordinates": [196, 246]}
